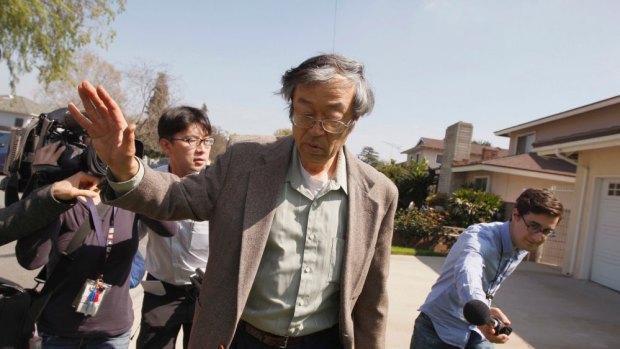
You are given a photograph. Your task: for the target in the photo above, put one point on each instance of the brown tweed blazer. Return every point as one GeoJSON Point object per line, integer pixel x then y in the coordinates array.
{"type": "Point", "coordinates": [238, 196]}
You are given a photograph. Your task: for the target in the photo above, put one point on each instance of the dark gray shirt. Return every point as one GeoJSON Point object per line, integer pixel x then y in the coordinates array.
{"type": "Point", "coordinates": [115, 314]}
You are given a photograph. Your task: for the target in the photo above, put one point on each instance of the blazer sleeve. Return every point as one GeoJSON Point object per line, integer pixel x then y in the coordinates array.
{"type": "Point", "coordinates": [162, 228]}
{"type": "Point", "coordinates": [370, 311]}
{"type": "Point", "coordinates": [164, 196]}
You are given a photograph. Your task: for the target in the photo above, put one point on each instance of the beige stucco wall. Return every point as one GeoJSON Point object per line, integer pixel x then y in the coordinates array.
{"type": "Point", "coordinates": [509, 187]}
{"type": "Point", "coordinates": [593, 120]}
{"type": "Point", "coordinates": [431, 157]}
{"type": "Point", "coordinates": [9, 118]}
{"type": "Point", "coordinates": [429, 154]}
{"type": "Point", "coordinates": [594, 165]}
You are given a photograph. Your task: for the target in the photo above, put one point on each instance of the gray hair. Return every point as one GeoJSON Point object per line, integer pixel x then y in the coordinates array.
{"type": "Point", "coordinates": [323, 68]}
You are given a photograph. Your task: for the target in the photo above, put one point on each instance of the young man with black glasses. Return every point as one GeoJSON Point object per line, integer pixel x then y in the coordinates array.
{"type": "Point", "coordinates": [178, 248]}
{"type": "Point", "coordinates": [481, 259]}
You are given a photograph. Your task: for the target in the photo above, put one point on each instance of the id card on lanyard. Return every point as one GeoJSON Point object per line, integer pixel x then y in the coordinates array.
{"type": "Point", "coordinates": [93, 292]}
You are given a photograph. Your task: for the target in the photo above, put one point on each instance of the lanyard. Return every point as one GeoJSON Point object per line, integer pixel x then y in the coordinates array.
{"type": "Point", "coordinates": [494, 284]}
{"type": "Point", "coordinates": [103, 239]}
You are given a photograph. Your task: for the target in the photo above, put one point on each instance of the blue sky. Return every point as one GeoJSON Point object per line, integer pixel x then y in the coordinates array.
{"type": "Point", "coordinates": [495, 64]}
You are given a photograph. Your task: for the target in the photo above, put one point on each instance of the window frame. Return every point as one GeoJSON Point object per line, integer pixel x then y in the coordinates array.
{"type": "Point", "coordinates": [527, 148]}
{"type": "Point", "coordinates": [487, 180]}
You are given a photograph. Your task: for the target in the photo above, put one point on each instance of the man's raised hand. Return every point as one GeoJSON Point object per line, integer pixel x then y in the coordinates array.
{"type": "Point", "coordinates": [110, 134]}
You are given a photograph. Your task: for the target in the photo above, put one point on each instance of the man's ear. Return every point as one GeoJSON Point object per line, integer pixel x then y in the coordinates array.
{"type": "Point", "coordinates": [165, 145]}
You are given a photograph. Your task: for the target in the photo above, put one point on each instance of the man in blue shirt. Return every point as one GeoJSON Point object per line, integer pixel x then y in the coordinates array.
{"type": "Point", "coordinates": [481, 259]}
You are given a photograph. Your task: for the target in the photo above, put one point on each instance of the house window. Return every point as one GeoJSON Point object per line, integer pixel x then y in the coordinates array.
{"type": "Point", "coordinates": [439, 159]}
{"type": "Point", "coordinates": [481, 183]}
{"type": "Point", "coordinates": [19, 122]}
{"type": "Point", "coordinates": [417, 157]}
{"type": "Point", "coordinates": [614, 189]}
{"type": "Point", "coordinates": [524, 144]}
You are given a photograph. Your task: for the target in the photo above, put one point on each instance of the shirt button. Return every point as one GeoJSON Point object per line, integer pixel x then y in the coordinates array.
{"type": "Point", "coordinates": [306, 270]}
{"type": "Point", "coordinates": [300, 303]}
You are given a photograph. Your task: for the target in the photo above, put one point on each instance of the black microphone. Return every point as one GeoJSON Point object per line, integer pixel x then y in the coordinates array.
{"type": "Point", "coordinates": [477, 313]}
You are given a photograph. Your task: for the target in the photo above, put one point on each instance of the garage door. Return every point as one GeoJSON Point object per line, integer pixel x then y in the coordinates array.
{"type": "Point", "coordinates": [606, 259]}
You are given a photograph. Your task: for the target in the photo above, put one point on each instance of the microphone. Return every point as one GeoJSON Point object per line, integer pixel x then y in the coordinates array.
{"type": "Point", "coordinates": [477, 313]}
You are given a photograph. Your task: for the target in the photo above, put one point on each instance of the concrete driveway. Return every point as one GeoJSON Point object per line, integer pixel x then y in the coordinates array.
{"type": "Point", "coordinates": [547, 309]}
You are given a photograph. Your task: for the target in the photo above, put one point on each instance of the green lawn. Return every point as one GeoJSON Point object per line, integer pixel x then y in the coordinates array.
{"type": "Point", "coordinates": [414, 252]}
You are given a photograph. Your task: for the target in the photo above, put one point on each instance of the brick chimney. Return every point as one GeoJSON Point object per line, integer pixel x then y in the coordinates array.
{"type": "Point", "coordinates": [456, 147]}
{"type": "Point", "coordinates": [489, 153]}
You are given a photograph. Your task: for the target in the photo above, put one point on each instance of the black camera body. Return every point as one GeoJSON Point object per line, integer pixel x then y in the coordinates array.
{"type": "Point", "coordinates": [56, 126]}
{"type": "Point", "coordinates": [59, 126]}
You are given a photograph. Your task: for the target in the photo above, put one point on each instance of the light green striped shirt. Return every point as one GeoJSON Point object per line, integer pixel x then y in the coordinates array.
{"type": "Point", "coordinates": [296, 290]}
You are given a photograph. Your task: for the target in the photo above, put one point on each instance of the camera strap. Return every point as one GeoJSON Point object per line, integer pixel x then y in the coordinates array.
{"type": "Point", "coordinates": [11, 192]}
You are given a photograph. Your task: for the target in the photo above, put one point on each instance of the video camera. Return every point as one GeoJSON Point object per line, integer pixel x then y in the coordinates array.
{"type": "Point", "coordinates": [57, 125]}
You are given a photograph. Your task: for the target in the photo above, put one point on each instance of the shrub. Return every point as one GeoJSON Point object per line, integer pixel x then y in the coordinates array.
{"type": "Point", "coordinates": [468, 206]}
{"type": "Point", "coordinates": [438, 199]}
{"type": "Point", "coordinates": [414, 224]}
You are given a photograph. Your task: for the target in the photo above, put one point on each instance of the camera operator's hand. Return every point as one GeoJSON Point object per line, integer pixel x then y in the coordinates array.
{"type": "Point", "coordinates": [80, 184]}
{"type": "Point", "coordinates": [48, 154]}
{"type": "Point", "coordinates": [110, 134]}
{"type": "Point", "coordinates": [489, 332]}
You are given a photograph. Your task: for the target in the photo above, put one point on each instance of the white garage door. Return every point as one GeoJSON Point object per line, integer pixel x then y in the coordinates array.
{"type": "Point", "coordinates": [606, 259]}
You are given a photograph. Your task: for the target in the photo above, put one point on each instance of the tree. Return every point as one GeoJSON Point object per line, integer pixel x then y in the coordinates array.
{"type": "Point", "coordinates": [146, 129]}
{"type": "Point", "coordinates": [369, 156]}
{"type": "Point", "coordinates": [219, 135]}
{"type": "Point", "coordinates": [221, 142]}
{"type": "Point", "coordinates": [139, 81]}
{"type": "Point", "coordinates": [283, 132]}
{"type": "Point", "coordinates": [412, 180]}
{"type": "Point", "coordinates": [482, 142]}
{"type": "Point", "coordinates": [88, 66]}
{"type": "Point", "coordinates": [415, 185]}
{"type": "Point", "coordinates": [45, 34]}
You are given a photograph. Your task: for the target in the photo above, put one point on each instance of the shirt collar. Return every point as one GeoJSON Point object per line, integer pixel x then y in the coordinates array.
{"type": "Point", "coordinates": [339, 180]}
{"type": "Point", "coordinates": [507, 247]}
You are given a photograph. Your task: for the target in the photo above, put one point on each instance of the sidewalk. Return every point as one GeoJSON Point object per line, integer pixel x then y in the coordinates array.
{"type": "Point", "coordinates": [548, 310]}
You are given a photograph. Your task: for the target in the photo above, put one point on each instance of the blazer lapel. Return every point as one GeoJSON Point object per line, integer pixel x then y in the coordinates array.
{"type": "Point", "coordinates": [361, 234]}
{"type": "Point", "coordinates": [264, 184]}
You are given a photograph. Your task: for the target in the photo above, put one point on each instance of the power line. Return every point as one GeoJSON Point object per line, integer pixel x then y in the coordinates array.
{"type": "Point", "coordinates": [334, 30]}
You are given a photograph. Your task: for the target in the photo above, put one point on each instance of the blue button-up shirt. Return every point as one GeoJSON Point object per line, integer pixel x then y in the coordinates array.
{"type": "Point", "coordinates": [480, 260]}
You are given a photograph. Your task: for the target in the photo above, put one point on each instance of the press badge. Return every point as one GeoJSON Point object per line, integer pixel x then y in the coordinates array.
{"type": "Point", "coordinates": [35, 341]}
{"type": "Point", "coordinates": [90, 297]}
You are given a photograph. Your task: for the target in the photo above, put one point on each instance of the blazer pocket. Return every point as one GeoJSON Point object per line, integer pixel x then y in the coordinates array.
{"type": "Point", "coordinates": [337, 255]}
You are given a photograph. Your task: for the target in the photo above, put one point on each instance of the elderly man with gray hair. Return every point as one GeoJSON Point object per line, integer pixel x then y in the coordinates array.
{"type": "Point", "coordinates": [300, 228]}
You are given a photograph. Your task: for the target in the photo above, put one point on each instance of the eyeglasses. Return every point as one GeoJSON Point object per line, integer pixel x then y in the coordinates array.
{"type": "Point", "coordinates": [194, 143]}
{"type": "Point", "coordinates": [329, 126]}
{"type": "Point", "coordinates": [535, 228]}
